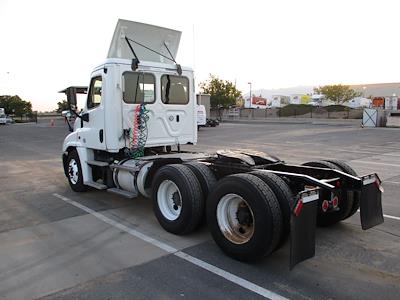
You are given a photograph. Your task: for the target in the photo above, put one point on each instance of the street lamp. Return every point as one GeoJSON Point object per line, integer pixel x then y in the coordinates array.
{"type": "Point", "coordinates": [249, 83]}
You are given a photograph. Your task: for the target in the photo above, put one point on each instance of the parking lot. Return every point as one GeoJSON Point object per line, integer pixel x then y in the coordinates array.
{"type": "Point", "coordinates": [58, 244]}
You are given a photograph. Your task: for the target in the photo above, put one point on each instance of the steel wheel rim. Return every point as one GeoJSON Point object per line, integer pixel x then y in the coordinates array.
{"type": "Point", "coordinates": [228, 222]}
{"type": "Point", "coordinates": [73, 171]}
{"type": "Point", "coordinates": [169, 200]}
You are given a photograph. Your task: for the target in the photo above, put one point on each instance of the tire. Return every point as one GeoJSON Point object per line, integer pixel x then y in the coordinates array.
{"type": "Point", "coordinates": [183, 214]}
{"type": "Point", "coordinates": [207, 180]}
{"type": "Point", "coordinates": [204, 175]}
{"type": "Point", "coordinates": [345, 203]}
{"type": "Point", "coordinates": [256, 200]}
{"type": "Point", "coordinates": [284, 196]}
{"type": "Point", "coordinates": [73, 171]}
{"type": "Point", "coordinates": [355, 195]}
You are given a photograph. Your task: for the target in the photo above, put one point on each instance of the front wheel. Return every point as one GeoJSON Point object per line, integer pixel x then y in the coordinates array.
{"type": "Point", "coordinates": [73, 170]}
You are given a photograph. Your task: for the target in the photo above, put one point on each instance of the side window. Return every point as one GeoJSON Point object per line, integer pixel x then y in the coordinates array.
{"type": "Point", "coordinates": [138, 88]}
{"type": "Point", "coordinates": [94, 97]}
{"type": "Point", "coordinates": [174, 89]}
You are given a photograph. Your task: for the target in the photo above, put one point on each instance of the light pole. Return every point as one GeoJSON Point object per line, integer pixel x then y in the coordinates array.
{"type": "Point", "coordinates": [249, 83]}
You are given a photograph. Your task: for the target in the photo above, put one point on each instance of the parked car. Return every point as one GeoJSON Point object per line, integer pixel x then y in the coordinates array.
{"type": "Point", "coordinates": [3, 119]}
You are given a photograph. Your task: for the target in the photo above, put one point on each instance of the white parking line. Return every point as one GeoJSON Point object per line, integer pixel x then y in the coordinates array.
{"type": "Point", "coordinates": [374, 163]}
{"type": "Point", "coordinates": [387, 216]}
{"type": "Point", "coordinates": [392, 217]}
{"type": "Point", "coordinates": [391, 182]}
{"type": "Point", "coordinates": [200, 263]}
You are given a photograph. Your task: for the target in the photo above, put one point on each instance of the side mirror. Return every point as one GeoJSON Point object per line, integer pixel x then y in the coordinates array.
{"type": "Point", "coordinates": [71, 97]}
{"type": "Point", "coordinates": [85, 117]}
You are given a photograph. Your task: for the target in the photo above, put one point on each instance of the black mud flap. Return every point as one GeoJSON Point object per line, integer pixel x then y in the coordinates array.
{"type": "Point", "coordinates": [302, 227]}
{"type": "Point", "coordinates": [371, 201]}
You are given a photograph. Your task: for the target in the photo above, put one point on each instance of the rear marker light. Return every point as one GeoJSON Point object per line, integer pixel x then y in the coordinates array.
{"type": "Point", "coordinates": [298, 208]}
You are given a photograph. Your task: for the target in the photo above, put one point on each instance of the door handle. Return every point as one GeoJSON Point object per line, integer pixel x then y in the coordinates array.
{"type": "Point", "coordinates": [101, 135]}
{"type": "Point", "coordinates": [177, 118]}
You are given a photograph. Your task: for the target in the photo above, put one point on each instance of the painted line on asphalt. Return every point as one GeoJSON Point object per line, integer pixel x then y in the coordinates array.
{"type": "Point", "coordinates": [392, 217]}
{"type": "Point", "coordinates": [387, 216]}
{"type": "Point", "coordinates": [200, 263]}
{"type": "Point", "coordinates": [391, 182]}
{"type": "Point", "coordinates": [374, 163]}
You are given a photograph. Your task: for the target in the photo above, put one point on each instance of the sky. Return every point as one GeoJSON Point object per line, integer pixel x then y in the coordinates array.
{"type": "Point", "coordinates": [46, 46]}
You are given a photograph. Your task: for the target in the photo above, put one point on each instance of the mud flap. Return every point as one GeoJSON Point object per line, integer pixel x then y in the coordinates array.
{"type": "Point", "coordinates": [371, 202]}
{"type": "Point", "coordinates": [302, 227]}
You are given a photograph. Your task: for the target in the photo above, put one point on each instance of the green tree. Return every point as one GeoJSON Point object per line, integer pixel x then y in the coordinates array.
{"type": "Point", "coordinates": [223, 92]}
{"type": "Point", "coordinates": [337, 93]}
{"type": "Point", "coordinates": [15, 105]}
{"type": "Point", "coordinates": [62, 105]}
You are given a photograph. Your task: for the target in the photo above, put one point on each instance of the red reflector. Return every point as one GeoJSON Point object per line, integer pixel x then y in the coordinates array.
{"type": "Point", "coordinates": [325, 205]}
{"type": "Point", "coordinates": [337, 184]}
{"type": "Point", "coordinates": [298, 208]}
{"type": "Point", "coordinates": [335, 201]}
{"type": "Point", "coordinates": [379, 186]}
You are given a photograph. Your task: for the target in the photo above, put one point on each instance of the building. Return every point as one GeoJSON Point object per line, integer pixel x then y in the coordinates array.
{"type": "Point", "coordinates": [378, 89]}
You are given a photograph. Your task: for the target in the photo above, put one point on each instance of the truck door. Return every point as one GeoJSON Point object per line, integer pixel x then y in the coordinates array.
{"type": "Point", "coordinates": [93, 134]}
{"type": "Point", "coordinates": [177, 109]}
{"type": "Point", "coordinates": [171, 118]}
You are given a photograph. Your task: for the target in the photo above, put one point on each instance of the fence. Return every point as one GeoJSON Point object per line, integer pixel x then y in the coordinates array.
{"type": "Point", "coordinates": [288, 112]}
{"type": "Point", "coordinates": [32, 117]}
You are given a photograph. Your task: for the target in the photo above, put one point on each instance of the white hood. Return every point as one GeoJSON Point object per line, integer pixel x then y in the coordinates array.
{"type": "Point", "coordinates": [150, 36]}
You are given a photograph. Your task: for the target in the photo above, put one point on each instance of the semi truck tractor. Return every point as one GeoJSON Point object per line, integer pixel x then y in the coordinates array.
{"type": "Point", "coordinates": [128, 139]}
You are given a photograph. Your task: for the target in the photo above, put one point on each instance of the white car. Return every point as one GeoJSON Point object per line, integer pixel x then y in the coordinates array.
{"type": "Point", "coordinates": [3, 119]}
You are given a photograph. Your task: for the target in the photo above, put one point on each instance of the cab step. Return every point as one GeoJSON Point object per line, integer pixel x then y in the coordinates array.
{"type": "Point", "coordinates": [96, 185]}
{"type": "Point", "coordinates": [97, 163]}
{"type": "Point", "coordinates": [126, 194]}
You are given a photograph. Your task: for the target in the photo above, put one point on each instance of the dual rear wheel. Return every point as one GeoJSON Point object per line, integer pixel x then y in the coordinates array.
{"type": "Point", "coordinates": [248, 214]}
{"type": "Point", "coordinates": [349, 202]}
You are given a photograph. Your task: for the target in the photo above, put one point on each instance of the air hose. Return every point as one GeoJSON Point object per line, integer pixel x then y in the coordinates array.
{"type": "Point", "coordinates": [138, 134]}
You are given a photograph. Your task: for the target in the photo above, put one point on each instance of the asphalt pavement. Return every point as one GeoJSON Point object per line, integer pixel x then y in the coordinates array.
{"type": "Point", "coordinates": [57, 244]}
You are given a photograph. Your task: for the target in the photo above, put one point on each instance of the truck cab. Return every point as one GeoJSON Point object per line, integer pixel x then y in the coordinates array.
{"type": "Point", "coordinates": [116, 89]}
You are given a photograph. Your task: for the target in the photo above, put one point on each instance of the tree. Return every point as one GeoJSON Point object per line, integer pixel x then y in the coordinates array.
{"type": "Point", "coordinates": [62, 105]}
{"type": "Point", "coordinates": [15, 105]}
{"type": "Point", "coordinates": [337, 93]}
{"type": "Point", "coordinates": [223, 92]}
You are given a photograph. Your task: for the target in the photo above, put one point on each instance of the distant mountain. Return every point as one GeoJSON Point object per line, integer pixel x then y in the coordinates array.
{"type": "Point", "coordinates": [265, 93]}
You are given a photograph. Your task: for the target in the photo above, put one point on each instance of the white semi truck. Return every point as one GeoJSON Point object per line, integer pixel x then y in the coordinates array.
{"type": "Point", "coordinates": [141, 109]}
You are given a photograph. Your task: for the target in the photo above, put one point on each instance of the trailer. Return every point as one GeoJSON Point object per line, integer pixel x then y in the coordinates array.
{"type": "Point", "coordinates": [141, 109]}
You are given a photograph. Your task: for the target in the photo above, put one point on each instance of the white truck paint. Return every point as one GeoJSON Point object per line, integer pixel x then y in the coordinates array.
{"type": "Point", "coordinates": [110, 115]}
